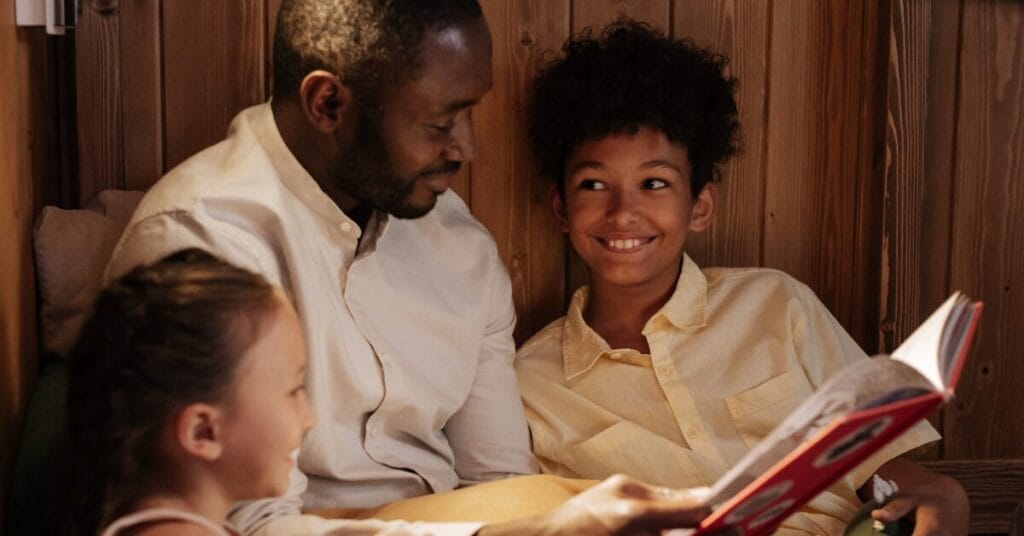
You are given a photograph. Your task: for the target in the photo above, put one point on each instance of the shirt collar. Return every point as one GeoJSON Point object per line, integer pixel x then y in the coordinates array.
{"type": "Point", "coordinates": [685, 310]}
{"type": "Point", "coordinates": [295, 177]}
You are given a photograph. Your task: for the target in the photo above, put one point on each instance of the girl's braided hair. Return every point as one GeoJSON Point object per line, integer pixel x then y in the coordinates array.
{"type": "Point", "coordinates": [161, 337]}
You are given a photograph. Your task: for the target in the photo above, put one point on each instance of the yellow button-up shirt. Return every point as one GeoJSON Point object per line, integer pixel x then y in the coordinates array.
{"type": "Point", "coordinates": [733, 352]}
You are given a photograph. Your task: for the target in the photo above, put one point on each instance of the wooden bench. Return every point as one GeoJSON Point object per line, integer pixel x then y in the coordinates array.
{"type": "Point", "coordinates": [995, 489]}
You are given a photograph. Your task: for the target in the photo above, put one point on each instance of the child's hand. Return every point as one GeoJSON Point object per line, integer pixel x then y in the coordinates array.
{"type": "Point", "coordinates": [937, 503]}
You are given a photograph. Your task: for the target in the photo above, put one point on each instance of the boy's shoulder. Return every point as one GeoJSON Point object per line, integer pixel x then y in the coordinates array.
{"type": "Point", "coordinates": [726, 279]}
{"type": "Point", "coordinates": [544, 347]}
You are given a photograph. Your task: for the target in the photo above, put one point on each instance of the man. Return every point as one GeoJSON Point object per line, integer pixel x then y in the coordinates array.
{"type": "Point", "coordinates": [337, 191]}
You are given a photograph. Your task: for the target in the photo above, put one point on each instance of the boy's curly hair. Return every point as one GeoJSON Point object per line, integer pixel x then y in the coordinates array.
{"type": "Point", "coordinates": [634, 76]}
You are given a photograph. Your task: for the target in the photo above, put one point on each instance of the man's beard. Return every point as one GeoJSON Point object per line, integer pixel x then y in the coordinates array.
{"type": "Point", "coordinates": [366, 173]}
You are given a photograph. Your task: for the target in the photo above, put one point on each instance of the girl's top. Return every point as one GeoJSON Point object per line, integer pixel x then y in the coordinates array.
{"type": "Point", "coordinates": [150, 515]}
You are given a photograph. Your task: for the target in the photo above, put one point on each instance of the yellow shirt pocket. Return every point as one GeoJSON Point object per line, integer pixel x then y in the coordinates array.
{"type": "Point", "coordinates": [756, 411]}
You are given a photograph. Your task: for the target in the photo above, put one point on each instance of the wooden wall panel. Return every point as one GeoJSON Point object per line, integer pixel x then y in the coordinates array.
{"type": "Point", "coordinates": [820, 221]}
{"type": "Point", "coordinates": [920, 123]}
{"type": "Point", "coordinates": [142, 93]}
{"type": "Point", "coordinates": [598, 13]}
{"type": "Point", "coordinates": [988, 230]}
{"type": "Point", "coordinates": [213, 66]}
{"type": "Point", "coordinates": [98, 71]}
{"type": "Point", "coordinates": [509, 196]}
{"type": "Point", "coordinates": [27, 167]}
{"type": "Point", "coordinates": [739, 30]}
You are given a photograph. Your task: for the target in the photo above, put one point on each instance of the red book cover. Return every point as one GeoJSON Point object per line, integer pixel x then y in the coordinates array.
{"type": "Point", "coordinates": [848, 419]}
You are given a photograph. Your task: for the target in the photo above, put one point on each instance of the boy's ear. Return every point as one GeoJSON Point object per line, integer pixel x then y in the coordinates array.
{"type": "Point", "coordinates": [704, 208]}
{"type": "Point", "coordinates": [558, 207]}
{"type": "Point", "coordinates": [198, 430]}
{"type": "Point", "coordinates": [325, 100]}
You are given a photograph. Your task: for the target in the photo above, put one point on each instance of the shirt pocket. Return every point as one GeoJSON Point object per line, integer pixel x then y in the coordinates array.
{"type": "Point", "coordinates": [756, 411]}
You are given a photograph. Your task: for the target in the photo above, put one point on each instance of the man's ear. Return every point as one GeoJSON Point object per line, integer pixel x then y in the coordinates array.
{"type": "Point", "coordinates": [558, 207]}
{"type": "Point", "coordinates": [704, 208]}
{"type": "Point", "coordinates": [325, 100]}
{"type": "Point", "coordinates": [199, 430]}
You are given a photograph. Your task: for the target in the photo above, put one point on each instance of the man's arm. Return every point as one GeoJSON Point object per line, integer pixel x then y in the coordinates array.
{"type": "Point", "coordinates": [488, 434]}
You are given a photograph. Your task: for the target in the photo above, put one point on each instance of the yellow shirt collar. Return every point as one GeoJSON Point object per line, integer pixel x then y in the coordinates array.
{"type": "Point", "coordinates": [685, 310]}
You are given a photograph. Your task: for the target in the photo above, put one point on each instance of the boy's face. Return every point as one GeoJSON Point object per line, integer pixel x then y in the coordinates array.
{"type": "Point", "coordinates": [628, 208]}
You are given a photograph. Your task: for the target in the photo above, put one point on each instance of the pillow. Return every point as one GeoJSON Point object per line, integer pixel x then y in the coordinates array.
{"type": "Point", "coordinates": [72, 248]}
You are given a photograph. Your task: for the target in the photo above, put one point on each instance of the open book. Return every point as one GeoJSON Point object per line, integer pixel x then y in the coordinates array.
{"type": "Point", "coordinates": [853, 415]}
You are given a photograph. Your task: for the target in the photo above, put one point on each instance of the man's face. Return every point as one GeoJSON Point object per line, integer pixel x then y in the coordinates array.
{"type": "Point", "coordinates": [406, 151]}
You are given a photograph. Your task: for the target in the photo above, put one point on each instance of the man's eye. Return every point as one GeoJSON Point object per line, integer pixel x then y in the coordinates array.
{"type": "Point", "coordinates": [591, 184]}
{"type": "Point", "coordinates": [443, 129]}
{"type": "Point", "coordinates": [654, 184]}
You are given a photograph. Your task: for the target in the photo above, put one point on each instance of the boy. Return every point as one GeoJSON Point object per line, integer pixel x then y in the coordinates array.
{"type": "Point", "coordinates": [660, 369]}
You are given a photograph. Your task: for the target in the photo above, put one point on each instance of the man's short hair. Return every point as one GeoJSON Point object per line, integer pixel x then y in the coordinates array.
{"type": "Point", "coordinates": [369, 44]}
{"type": "Point", "coordinates": [629, 77]}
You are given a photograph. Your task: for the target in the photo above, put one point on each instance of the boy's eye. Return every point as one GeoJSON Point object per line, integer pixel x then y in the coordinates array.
{"type": "Point", "coordinates": [297, 390]}
{"type": "Point", "coordinates": [654, 183]}
{"type": "Point", "coordinates": [591, 184]}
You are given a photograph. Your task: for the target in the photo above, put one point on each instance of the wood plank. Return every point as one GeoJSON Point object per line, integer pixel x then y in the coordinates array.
{"type": "Point", "coordinates": [595, 14]}
{"type": "Point", "coordinates": [273, 6]}
{"type": "Point", "coordinates": [821, 202]}
{"type": "Point", "coordinates": [98, 70]}
{"type": "Point", "coordinates": [995, 489]}
{"type": "Point", "coordinates": [27, 165]}
{"type": "Point", "coordinates": [508, 195]}
{"type": "Point", "coordinates": [142, 94]}
{"type": "Point", "coordinates": [739, 30]}
{"type": "Point", "coordinates": [213, 68]}
{"type": "Point", "coordinates": [988, 230]}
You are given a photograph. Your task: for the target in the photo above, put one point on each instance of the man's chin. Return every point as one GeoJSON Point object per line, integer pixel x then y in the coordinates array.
{"type": "Point", "coordinates": [411, 211]}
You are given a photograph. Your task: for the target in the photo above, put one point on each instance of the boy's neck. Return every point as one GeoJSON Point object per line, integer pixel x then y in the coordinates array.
{"type": "Point", "coordinates": [619, 313]}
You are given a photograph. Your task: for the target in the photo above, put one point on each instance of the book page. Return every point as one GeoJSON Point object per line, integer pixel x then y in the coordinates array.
{"type": "Point", "coordinates": [923, 349]}
{"type": "Point", "coordinates": [861, 385]}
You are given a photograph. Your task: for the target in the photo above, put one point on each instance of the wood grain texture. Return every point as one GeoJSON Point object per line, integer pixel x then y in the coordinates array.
{"type": "Point", "coordinates": [213, 68]}
{"type": "Point", "coordinates": [142, 93]}
{"type": "Point", "coordinates": [508, 194]}
{"type": "Point", "coordinates": [739, 30]}
{"type": "Point", "coordinates": [995, 488]}
{"type": "Point", "coordinates": [27, 165]}
{"type": "Point", "coordinates": [98, 72]}
{"type": "Point", "coordinates": [273, 6]}
{"type": "Point", "coordinates": [820, 218]}
{"type": "Point", "coordinates": [596, 14]}
{"type": "Point", "coordinates": [987, 258]}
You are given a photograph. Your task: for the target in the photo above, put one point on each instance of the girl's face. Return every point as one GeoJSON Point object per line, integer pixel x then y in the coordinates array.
{"type": "Point", "coordinates": [628, 207]}
{"type": "Point", "coordinates": [268, 413]}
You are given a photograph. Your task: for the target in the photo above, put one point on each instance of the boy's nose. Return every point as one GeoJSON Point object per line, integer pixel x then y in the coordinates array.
{"type": "Point", "coordinates": [622, 208]}
{"type": "Point", "coordinates": [308, 414]}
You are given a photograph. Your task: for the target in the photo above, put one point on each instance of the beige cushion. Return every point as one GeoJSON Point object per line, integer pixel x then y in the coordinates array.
{"type": "Point", "coordinates": [72, 248]}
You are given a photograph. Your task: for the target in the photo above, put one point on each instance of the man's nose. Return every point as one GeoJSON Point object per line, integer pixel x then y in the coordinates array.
{"type": "Point", "coordinates": [462, 145]}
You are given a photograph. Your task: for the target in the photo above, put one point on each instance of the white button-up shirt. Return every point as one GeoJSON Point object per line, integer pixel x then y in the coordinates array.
{"type": "Point", "coordinates": [408, 326]}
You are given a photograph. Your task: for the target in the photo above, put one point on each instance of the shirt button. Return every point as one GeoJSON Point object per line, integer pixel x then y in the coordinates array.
{"type": "Point", "coordinates": [346, 227]}
{"type": "Point", "coordinates": [665, 371]}
{"type": "Point", "coordinates": [691, 433]}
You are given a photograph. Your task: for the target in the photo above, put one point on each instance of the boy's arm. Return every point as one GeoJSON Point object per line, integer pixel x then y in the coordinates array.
{"type": "Point", "coordinates": [938, 503]}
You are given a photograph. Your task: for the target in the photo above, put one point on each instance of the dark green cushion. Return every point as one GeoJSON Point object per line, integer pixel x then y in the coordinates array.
{"type": "Point", "coordinates": [34, 496]}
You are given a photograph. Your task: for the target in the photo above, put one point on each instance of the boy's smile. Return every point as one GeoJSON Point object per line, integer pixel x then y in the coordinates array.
{"type": "Point", "coordinates": [628, 207]}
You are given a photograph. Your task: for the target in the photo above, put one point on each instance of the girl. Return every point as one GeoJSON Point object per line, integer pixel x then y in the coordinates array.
{"type": "Point", "coordinates": [186, 395]}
